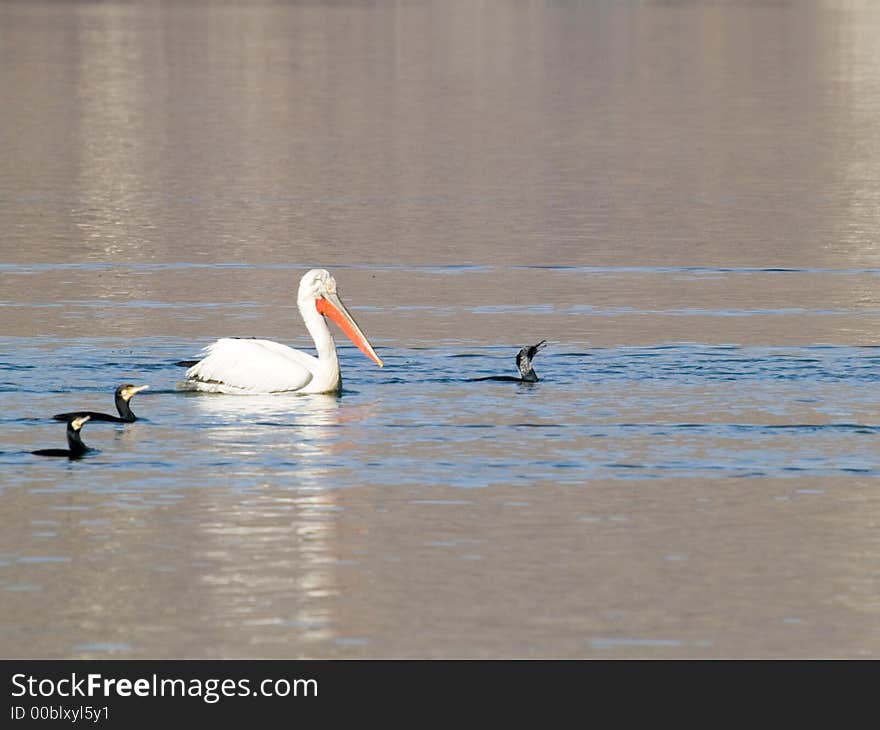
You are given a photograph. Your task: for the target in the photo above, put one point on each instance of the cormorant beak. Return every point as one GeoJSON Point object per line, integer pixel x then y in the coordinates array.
{"type": "Point", "coordinates": [540, 346]}
{"type": "Point", "coordinates": [330, 306]}
{"type": "Point", "coordinates": [133, 391]}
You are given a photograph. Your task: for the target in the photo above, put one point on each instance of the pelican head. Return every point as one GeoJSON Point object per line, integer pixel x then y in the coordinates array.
{"type": "Point", "coordinates": [318, 288]}
{"type": "Point", "coordinates": [314, 284]}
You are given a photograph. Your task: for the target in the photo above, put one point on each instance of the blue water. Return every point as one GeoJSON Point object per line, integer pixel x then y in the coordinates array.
{"type": "Point", "coordinates": [677, 410]}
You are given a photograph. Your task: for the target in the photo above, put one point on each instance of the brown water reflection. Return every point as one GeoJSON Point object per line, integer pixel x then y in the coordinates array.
{"type": "Point", "coordinates": [355, 573]}
{"type": "Point", "coordinates": [700, 133]}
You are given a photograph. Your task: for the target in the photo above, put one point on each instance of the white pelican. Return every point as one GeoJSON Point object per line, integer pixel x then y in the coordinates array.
{"type": "Point", "coordinates": [248, 366]}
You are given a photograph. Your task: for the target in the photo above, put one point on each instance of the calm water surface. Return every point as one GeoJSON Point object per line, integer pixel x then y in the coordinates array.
{"type": "Point", "coordinates": [681, 197]}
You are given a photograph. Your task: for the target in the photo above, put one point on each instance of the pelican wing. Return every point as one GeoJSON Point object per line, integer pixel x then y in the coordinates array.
{"type": "Point", "coordinates": [251, 366]}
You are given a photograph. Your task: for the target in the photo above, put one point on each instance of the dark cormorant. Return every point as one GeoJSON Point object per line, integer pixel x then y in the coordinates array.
{"type": "Point", "coordinates": [76, 447]}
{"type": "Point", "coordinates": [124, 393]}
{"type": "Point", "coordinates": [524, 364]}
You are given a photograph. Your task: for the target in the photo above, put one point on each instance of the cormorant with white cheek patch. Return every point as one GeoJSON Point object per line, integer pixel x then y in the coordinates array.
{"type": "Point", "coordinates": [76, 447]}
{"type": "Point", "coordinates": [124, 394]}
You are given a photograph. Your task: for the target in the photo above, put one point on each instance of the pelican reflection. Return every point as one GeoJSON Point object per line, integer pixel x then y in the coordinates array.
{"type": "Point", "coordinates": [273, 546]}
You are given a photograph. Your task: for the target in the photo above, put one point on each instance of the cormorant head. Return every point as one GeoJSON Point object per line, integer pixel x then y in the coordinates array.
{"type": "Point", "coordinates": [524, 361]}
{"type": "Point", "coordinates": [128, 391]}
{"type": "Point", "coordinates": [77, 423]}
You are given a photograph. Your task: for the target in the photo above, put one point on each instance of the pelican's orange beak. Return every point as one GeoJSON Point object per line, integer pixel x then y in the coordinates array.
{"type": "Point", "coordinates": [330, 306]}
